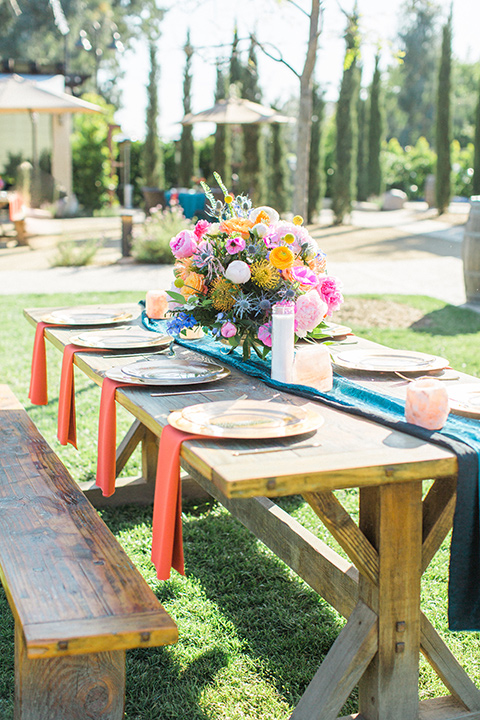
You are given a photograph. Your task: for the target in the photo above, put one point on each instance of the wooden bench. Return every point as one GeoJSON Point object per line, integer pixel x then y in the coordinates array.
{"type": "Point", "coordinates": [77, 599]}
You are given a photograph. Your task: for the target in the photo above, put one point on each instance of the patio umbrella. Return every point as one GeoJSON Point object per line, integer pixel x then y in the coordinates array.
{"type": "Point", "coordinates": [237, 111]}
{"type": "Point", "coordinates": [18, 95]}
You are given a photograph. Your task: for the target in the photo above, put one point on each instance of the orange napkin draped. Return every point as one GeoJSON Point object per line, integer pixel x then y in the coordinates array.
{"type": "Point", "coordinates": [167, 543]}
{"type": "Point", "coordinates": [38, 379]}
{"type": "Point", "coordinates": [66, 426]}
{"type": "Point", "coordinates": [107, 437]}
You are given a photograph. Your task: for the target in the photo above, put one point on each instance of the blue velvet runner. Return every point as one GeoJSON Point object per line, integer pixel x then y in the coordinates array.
{"type": "Point", "coordinates": [460, 435]}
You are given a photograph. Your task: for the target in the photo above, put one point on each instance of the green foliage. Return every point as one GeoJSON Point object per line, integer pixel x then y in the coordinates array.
{"type": "Point", "coordinates": [362, 150]}
{"type": "Point", "coordinates": [187, 147]}
{"type": "Point", "coordinates": [9, 172]}
{"type": "Point", "coordinates": [315, 168]}
{"type": "Point", "coordinates": [443, 123]}
{"type": "Point", "coordinates": [408, 168]}
{"type": "Point", "coordinates": [205, 150]}
{"type": "Point", "coordinates": [91, 163]}
{"type": "Point", "coordinates": [345, 178]}
{"type": "Point", "coordinates": [329, 150]}
{"type": "Point", "coordinates": [152, 154]}
{"type": "Point", "coordinates": [416, 94]}
{"type": "Point", "coordinates": [476, 160]}
{"type": "Point", "coordinates": [462, 169]}
{"type": "Point", "coordinates": [75, 254]}
{"type": "Point", "coordinates": [151, 241]}
{"type": "Point", "coordinates": [169, 153]}
{"type": "Point", "coordinates": [279, 187]}
{"type": "Point", "coordinates": [222, 154]}
{"type": "Point", "coordinates": [253, 171]}
{"type": "Point", "coordinates": [464, 91]}
{"type": "Point", "coordinates": [375, 134]}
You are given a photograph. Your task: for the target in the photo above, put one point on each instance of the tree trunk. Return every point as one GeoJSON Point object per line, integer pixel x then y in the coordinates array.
{"type": "Point", "coordinates": [304, 122]}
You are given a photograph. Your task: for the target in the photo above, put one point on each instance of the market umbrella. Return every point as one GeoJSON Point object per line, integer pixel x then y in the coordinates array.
{"type": "Point", "coordinates": [237, 111]}
{"type": "Point", "coordinates": [18, 95]}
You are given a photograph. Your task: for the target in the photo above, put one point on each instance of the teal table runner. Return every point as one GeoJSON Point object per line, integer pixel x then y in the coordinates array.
{"type": "Point", "coordinates": [460, 435]}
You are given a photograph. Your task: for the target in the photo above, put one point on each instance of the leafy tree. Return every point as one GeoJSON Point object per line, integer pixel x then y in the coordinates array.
{"type": "Point", "coordinates": [152, 153]}
{"type": "Point", "coordinates": [187, 149]}
{"type": "Point", "coordinates": [315, 170]}
{"type": "Point", "coordinates": [205, 151]}
{"type": "Point", "coordinates": [279, 195]}
{"type": "Point", "coordinates": [476, 159]}
{"type": "Point", "coordinates": [222, 156]}
{"type": "Point", "coordinates": [465, 81]}
{"type": "Point", "coordinates": [236, 68]}
{"type": "Point", "coordinates": [407, 168]}
{"type": "Point", "coordinates": [443, 123]}
{"type": "Point", "coordinates": [362, 149]}
{"type": "Point", "coordinates": [254, 178]}
{"type": "Point", "coordinates": [416, 95]}
{"type": "Point", "coordinates": [345, 180]}
{"type": "Point", "coordinates": [90, 156]}
{"type": "Point", "coordinates": [375, 134]}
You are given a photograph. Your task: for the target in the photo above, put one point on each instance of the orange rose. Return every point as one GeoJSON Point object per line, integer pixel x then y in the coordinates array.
{"type": "Point", "coordinates": [183, 268]}
{"type": "Point", "coordinates": [194, 285]}
{"type": "Point", "coordinates": [318, 266]}
{"type": "Point", "coordinates": [281, 257]}
{"type": "Point", "coordinates": [237, 225]}
{"type": "Point", "coordinates": [287, 273]}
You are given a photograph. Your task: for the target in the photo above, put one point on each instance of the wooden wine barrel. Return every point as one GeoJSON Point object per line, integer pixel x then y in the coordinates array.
{"type": "Point", "coordinates": [471, 252]}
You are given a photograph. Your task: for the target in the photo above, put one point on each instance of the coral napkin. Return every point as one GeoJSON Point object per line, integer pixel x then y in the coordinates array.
{"type": "Point", "coordinates": [107, 437]}
{"type": "Point", "coordinates": [66, 426]}
{"type": "Point", "coordinates": [38, 379]}
{"type": "Point", "coordinates": [167, 543]}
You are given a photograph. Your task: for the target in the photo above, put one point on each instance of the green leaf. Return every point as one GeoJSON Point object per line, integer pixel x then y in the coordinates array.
{"type": "Point", "coordinates": [177, 297]}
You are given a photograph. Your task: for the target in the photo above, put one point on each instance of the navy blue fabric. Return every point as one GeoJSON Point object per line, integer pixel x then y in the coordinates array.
{"type": "Point", "coordinates": [460, 435]}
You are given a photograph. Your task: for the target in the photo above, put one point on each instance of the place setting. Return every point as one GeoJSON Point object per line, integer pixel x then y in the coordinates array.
{"type": "Point", "coordinates": [87, 315]}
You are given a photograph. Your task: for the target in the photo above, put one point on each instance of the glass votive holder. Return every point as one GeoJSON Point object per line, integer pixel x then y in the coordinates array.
{"type": "Point", "coordinates": [156, 304]}
{"type": "Point", "coordinates": [313, 367]}
{"type": "Point", "coordinates": [427, 404]}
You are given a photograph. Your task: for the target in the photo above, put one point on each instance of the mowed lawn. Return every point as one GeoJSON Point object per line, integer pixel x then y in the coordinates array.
{"type": "Point", "coordinates": [251, 633]}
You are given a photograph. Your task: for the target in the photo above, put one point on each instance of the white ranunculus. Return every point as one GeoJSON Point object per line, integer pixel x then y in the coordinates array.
{"type": "Point", "coordinates": [238, 272]}
{"type": "Point", "coordinates": [261, 229]}
{"type": "Point", "coordinates": [271, 212]}
{"type": "Point", "coordinates": [213, 229]}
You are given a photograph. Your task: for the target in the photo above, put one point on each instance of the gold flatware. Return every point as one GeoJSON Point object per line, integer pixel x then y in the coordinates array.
{"type": "Point", "coordinates": [257, 451]}
{"type": "Point", "coordinates": [187, 392]}
{"type": "Point", "coordinates": [427, 377]}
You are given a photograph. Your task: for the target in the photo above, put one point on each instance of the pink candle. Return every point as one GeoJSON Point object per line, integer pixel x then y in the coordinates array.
{"type": "Point", "coordinates": [313, 367]}
{"type": "Point", "coordinates": [427, 404]}
{"type": "Point", "coordinates": [156, 304]}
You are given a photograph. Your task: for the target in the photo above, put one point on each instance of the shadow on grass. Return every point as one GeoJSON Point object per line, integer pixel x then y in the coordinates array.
{"type": "Point", "coordinates": [284, 627]}
{"type": "Point", "coordinates": [448, 321]}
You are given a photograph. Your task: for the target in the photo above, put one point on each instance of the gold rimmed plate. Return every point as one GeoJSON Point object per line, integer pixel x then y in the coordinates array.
{"type": "Point", "coordinates": [165, 370]}
{"type": "Point", "coordinates": [87, 316]}
{"type": "Point", "coordinates": [125, 338]}
{"type": "Point", "coordinates": [465, 399]}
{"type": "Point", "coordinates": [247, 419]}
{"type": "Point", "coordinates": [405, 361]}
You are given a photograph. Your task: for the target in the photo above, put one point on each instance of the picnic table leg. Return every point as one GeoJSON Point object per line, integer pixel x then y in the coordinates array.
{"type": "Point", "coordinates": [391, 519]}
{"type": "Point", "coordinates": [72, 686]}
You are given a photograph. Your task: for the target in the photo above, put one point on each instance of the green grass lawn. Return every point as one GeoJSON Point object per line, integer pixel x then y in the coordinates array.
{"type": "Point", "coordinates": [251, 633]}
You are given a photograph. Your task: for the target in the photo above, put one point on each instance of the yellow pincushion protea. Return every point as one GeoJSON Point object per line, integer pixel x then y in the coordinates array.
{"type": "Point", "coordinates": [264, 274]}
{"type": "Point", "coordinates": [223, 294]}
{"type": "Point", "coordinates": [282, 257]}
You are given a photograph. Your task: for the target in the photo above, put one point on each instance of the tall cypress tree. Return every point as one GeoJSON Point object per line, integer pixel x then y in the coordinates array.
{"type": "Point", "coordinates": [315, 165]}
{"type": "Point", "coordinates": [222, 151]}
{"type": "Point", "coordinates": [236, 67]}
{"type": "Point", "coordinates": [279, 191]}
{"type": "Point", "coordinates": [254, 178]}
{"type": "Point", "coordinates": [375, 134]}
{"type": "Point", "coordinates": [443, 124]}
{"type": "Point", "coordinates": [362, 149]}
{"type": "Point", "coordinates": [345, 180]}
{"type": "Point", "coordinates": [152, 153]}
{"type": "Point", "coordinates": [187, 148]}
{"type": "Point", "coordinates": [476, 158]}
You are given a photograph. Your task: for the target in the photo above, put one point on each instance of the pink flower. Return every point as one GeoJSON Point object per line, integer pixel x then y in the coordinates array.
{"type": "Point", "coordinates": [275, 236]}
{"type": "Point", "coordinates": [304, 275]}
{"type": "Point", "coordinates": [265, 334]}
{"type": "Point", "coordinates": [329, 290]}
{"type": "Point", "coordinates": [228, 330]}
{"type": "Point", "coordinates": [235, 245]}
{"type": "Point", "coordinates": [309, 312]}
{"type": "Point", "coordinates": [184, 244]}
{"type": "Point", "coordinates": [201, 228]}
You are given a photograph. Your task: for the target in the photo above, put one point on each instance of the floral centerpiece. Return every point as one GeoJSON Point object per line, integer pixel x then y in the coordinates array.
{"type": "Point", "coordinates": [230, 272]}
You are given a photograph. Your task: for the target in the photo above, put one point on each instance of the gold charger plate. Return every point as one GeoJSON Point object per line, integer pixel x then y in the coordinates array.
{"type": "Point", "coordinates": [126, 338]}
{"type": "Point", "coordinates": [247, 419]}
{"type": "Point", "coordinates": [389, 361]}
{"type": "Point", "coordinates": [86, 316]}
{"type": "Point", "coordinates": [465, 399]}
{"type": "Point", "coordinates": [163, 370]}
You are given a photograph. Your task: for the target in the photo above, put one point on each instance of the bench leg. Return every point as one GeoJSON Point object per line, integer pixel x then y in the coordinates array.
{"type": "Point", "coordinates": [77, 687]}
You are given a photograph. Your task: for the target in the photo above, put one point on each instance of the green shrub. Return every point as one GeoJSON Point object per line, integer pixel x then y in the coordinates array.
{"type": "Point", "coordinates": [75, 254]}
{"type": "Point", "coordinates": [151, 240]}
{"type": "Point", "coordinates": [407, 169]}
{"type": "Point", "coordinates": [462, 169]}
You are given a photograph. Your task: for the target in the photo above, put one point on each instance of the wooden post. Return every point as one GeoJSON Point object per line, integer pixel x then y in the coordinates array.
{"type": "Point", "coordinates": [76, 687]}
{"type": "Point", "coordinates": [391, 518]}
{"type": "Point", "coordinates": [127, 226]}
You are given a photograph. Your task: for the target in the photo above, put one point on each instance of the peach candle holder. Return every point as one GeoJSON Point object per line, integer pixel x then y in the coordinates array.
{"type": "Point", "coordinates": [156, 304]}
{"type": "Point", "coordinates": [313, 367]}
{"type": "Point", "coordinates": [427, 404]}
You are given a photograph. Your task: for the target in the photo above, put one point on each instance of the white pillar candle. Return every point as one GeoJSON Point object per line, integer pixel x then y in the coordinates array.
{"type": "Point", "coordinates": [427, 404]}
{"type": "Point", "coordinates": [156, 304]}
{"type": "Point", "coordinates": [313, 367]}
{"type": "Point", "coordinates": [283, 341]}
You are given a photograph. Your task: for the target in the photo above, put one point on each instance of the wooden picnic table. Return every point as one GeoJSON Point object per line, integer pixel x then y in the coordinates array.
{"type": "Point", "coordinates": [399, 531]}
